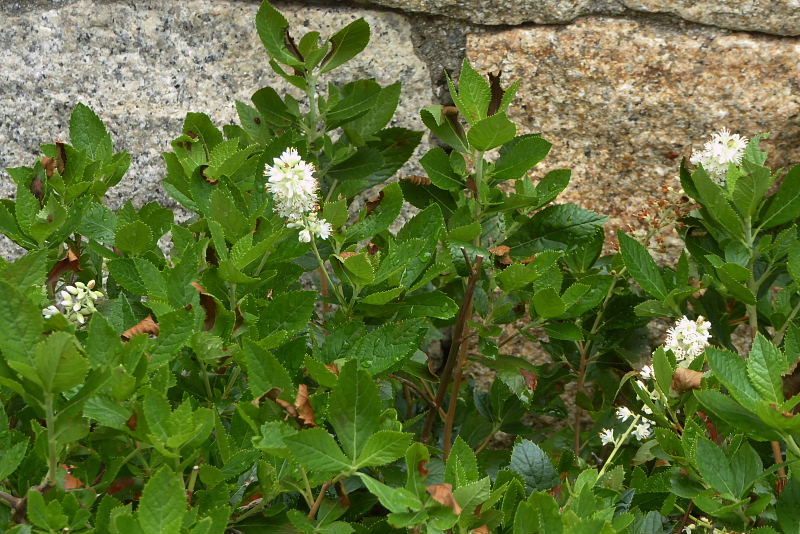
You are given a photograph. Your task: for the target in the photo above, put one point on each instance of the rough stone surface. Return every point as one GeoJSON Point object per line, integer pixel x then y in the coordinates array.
{"type": "Point", "coordinates": [142, 66]}
{"type": "Point", "coordinates": [780, 17]}
{"type": "Point", "coordinates": [623, 100]}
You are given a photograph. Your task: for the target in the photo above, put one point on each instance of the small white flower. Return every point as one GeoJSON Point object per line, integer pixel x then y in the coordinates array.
{"type": "Point", "coordinates": [311, 227]}
{"type": "Point", "coordinates": [292, 184]}
{"type": "Point", "coordinates": [688, 529]}
{"type": "Point", "coordinates": [607, 436]}
{"type": "Point", "coordinates": [688, 339]}
{"type": "Point", "coordinates": [624, 413]}
{"type": "Point", "coordinates": [641, 385]}
{"type": "Point", "coordinates": [647, 372]}
{"type": "Point", "coordinates": [646, 410]}
{"type": "Point", "coordinates": [50, 311]}
{"type": "Point", "coordinates": [642, 431]}
{"type": "Point", "coordinates": [723, 149]}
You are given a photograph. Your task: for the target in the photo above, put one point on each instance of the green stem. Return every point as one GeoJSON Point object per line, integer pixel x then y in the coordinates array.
{"type": "Point", "coordinates": [618, 444]}
{"type": "Point", "coordinates": [204, 373]}
{"type": "Point", "coordinates": [791, 446]}
{"type": "Point", "coordinates": [52, 445]}
{"type": "Point", "coordinates": [778, 337]}
{"type": "Point", "coordinates": [336, 288]}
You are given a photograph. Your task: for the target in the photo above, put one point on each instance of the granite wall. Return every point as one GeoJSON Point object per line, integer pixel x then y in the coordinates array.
{"type": "Point", "coordinates": [623, 88]}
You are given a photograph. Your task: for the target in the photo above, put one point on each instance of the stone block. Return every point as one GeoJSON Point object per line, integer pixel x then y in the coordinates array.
{"type": "Point", "coordinates": [623, 100]}
{"type": "Point", "coordinates": [143, 65]}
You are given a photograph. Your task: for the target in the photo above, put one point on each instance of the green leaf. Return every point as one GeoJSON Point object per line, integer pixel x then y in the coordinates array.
{"type": "Point", "coordinates": [559, 227]}
{"type": "Point", "coordinates": [50, 516]}
{"type": "Point", "coordinates": [641, 265]}
{"type": "Point", "coordinates": [566, 331]}
{"type": "Point", "coordinates": [728, 275]}
{"type": "Point", "coordinates": [431, 304]}
{"type": "Point", "coordinates": [99, 223]}
{"type": "Point", "coordinates": [346, 44]}
{"type": "Point", "coordinates": [396, 500]}
{"type": "Point", "coordinates": [378, 117]}
{"type": "Point", "coordinates": [788, 506]}
{"type": "Point", "coordinates": [163, 503]}
{"type": "Point", "coordinates": [11, 457]}
{"type": "Point", "coordinates": [317, 452]}
{"type": "Point", "coordinates": [383, 447]}
{"type": "Point", "coordinates": [134, 237]}
{"type": "Point", "coordinates": [532, 463]}
{"type": "Point", "coordinates": [542, 516]}
{"type": "Point", "coordinates": [27, 271]}
{"type": "Point", "coordinates": [436, 163]}
{"type": "Point", "coordinates": [714, 199]}
{"type": "Point", "coordinates": [736, 415]}
{"type": "Point", "coordinates": [265, 372]}
{"type": "Point", "coordinates": [59, 364]}
{"type": "Point", "coordinates": [519, 156]}
{"type": "Point", "coordinates": [445, 126]}
{"type": "Point", "coordinates": [358, 269]}
{"type": "Point", "coordinates": [290, 311]}
{"type": "Point", "coordinates": [785, 204]}
{"type": "Point", "coordinates": [354, 409]}
{"type": "Point", "coordinates": [548, 303]}
{"type": "Point", "coordinates": [107, 412]}
{"type": "Point", "coordinates": [474, 94]}
{"type": "Point", "coordinates": [765, 367]}
{"type": "Point", "coordinates": [730, 369]}
{"type": "Point", "coordinates": [715, 468]}
{"type": "Point", "coordinates": [176, 328]}
{"type": "Point", "coordinates": [381, 219]}
{"type": "Point", "coordinates": [358, 98]}
{"type": "Point", "coordinates": [461, 467]}
{"type": "Point", "coordinates": [386, 347]}
{"type": "Point", "coordinates": [88, 133]}
{"type": "Point", "coordinates": [272, 26]}
{"type": "Point", "coordinates": [491, 132]}
{"type": "Point", "coordinates": [663, 369]}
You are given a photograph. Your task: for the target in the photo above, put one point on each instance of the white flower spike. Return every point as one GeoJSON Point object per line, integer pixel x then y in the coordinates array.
{"type": "Point", "coordinates": [294, 188]}
{"type": "Point", "coordinates": [723, 149]}
{"type": "Point", "coordinates": [688, 339]}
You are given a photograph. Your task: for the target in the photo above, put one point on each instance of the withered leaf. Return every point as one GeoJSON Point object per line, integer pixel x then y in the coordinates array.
{"type": "Point", "coordinates": [443, 494]}
{"type": "Point", "coordinates": [497, 92]}
{"type": "Point", "coordinates": [145, 326]}
{"type": "Point", "coordinates": [531, 380]}
{"type": "Point", "coordinates": [416, 179]}
{"type": "Point", "coordinates": [70, 262]}
{"type": "Point", "coordinates": [209, 305]}
{"type": "Point", "coordinates": [305, 412]}
{"type": "Point", "coordinates": [685, 379]}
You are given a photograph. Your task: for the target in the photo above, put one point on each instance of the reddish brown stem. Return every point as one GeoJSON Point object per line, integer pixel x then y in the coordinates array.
{"type": "Point", "coordinates": [456, 353]}
{"type": "Point", "coordinates": [315, 507]}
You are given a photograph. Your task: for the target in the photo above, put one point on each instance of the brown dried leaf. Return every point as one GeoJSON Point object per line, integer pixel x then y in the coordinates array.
{"type": "Point", "coordinates": [501, 250]}
{"type": "Point", "coordinates": [531, 380]}
{"type": "Point", "coordinates": [374, 202]}
{"type": "Point", "coordinates": [132, 421]}
{"type": "Point", "coordinates": [145, 326]}
{"type": "Point", "coordinates": [305, 412]}
{"type": "Point", "coordinates": [685, 379]}
{"type": "Point", "coordinates": [345, 255]}
{"type": "Point", "coordinates": [483, 529]}
{"type": "Point", "coordinates": [290, 409]}
{"type": "Point", "coordinates": [70, 262]}
{"type": "Point", "coordinates": [50, 166]}
{"type": "Point", "coordinates": [209, 305]}
{"type": "Point", "coordinates": [332, 368]}
{"type": "Point", "coordinates": [497, 93]}
{"type": "Point", "coordinates": [422, 467]}
{"type": "Point", "coordinates": [61, 157]}
{"type": "Point", "coordinates": [418, 180]}
{"type": "Point", "coordinates": [443, 494]}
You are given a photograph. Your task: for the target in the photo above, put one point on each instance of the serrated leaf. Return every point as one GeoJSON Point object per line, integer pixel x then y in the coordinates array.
{"type": "Point", "coordinates": [354, 409]}
{"type": "Point", "coordinates": [383, 447]}
{"type": "Point", "coordinates": [163, 503]}
{"type": "Point", "coordinates": [265, 372]}
{"type": "Point", "coordinates": [385, 348]}
{"type": "Point", "coordinates": [491, 132]}
{"type": "Point", "coordinates": [559, 227]}
{"type": "Point", "coordinates": [134, 237]}
{"type": "Point", "coordinates": [88, 133]}
{"type": "Point", "coordinates": [436, 163]}
{"type": "Point", "coordinates": [107, 412]}
{"type": "Point", "coordinates": [473, 96]}
{"type": "Point", "coordinates": [395, 500]}
{"type": "Point", "coordinates": [784, 205]}
{"type": "Point", "coordinates": [271, 26]}
{"type": "Point", "coordinates": [765, 367]}
{"type": "Point", "coordinates": [317, 452]}
{"type": "Point", "coordinates": [532, 463]}
{"type": "Point", "coordinates": [641, 265]}
{"type": "Point", "coordinates": [547, 303]}
{"type": "Point", "coordinates": [519, 156]}
{"type": "Point", "coordinates": [59, 364]}
{"type": "Point", "coordinates": [346, 44]}
{"type": "Point", "coordinates": [11, 457]}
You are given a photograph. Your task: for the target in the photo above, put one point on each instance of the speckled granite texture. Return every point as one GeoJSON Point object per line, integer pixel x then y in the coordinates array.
{"type": "Point", "coordinates": [142, 65]}
{"type": "Point", "coordinates": [623, 95]}
{"type": "Point", "coordinates": [781, 17]}
{"type": "Point", "coordinates": [622, 100]}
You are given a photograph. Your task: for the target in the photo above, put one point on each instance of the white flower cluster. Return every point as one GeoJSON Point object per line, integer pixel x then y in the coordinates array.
{"type": "Point", "coordinates": [723, 149]}
{"type": "Point", "coordinates": [291, 182]}
{"type": "Point", "coordinates": [642, 428]}
{"type": "Point", "coordinates": [688, 339]}
{"type": "Point", "coordinates": [77, 302]}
